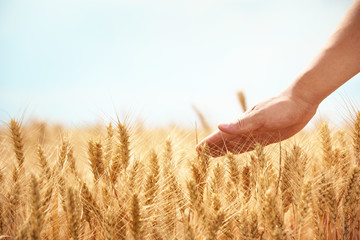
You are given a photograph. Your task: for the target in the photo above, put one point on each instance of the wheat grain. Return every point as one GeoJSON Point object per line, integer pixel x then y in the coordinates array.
{"type": "Point", "coordinates": [17, 139]}
{"type": "Point", "coordinates": [136, 221]}
{"type": "Point", "coordinates": [356, 139]}
{"type": "Point", "coordinates": [242, 100]}
{"type": "Point", "coordinates": [326, 144]}
{"type": "Point", "coordinates": [74, 221]}
{"type": "Point", "coordinates": [350, 200]}
{"type": "Point", "coordinates": [36, 221]}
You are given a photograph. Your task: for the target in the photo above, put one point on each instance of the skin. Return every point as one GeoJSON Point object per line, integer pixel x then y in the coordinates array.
{"type": "Point", "coordinates": [282, 116]}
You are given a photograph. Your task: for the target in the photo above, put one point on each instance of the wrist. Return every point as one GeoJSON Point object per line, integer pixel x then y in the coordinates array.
{"type": "Point", "coordinates": [304, 94]}
{"type": "Point", "coordinates": [305, 89]}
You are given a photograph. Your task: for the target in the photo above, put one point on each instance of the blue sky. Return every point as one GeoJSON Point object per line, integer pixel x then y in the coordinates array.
{"type": "Point", "coordinates": [81, 61]}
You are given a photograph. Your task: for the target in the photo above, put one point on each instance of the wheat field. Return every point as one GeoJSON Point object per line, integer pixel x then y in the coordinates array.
{"type": "Point", "coordinates": [126, 181]}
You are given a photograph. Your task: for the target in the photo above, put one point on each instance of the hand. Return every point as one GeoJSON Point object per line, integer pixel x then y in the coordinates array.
{"type": "Point", "coordinates": [273, 120]}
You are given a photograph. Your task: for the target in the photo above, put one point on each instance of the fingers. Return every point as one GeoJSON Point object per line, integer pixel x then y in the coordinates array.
{"type": "Point", "coordinates": [214, 139]}
{"type": "Point", "coordinates": [245, 125]}
{"type": "Point", "coordinates": [235, 148]}
{"type": "Point", "coordinates": [220, 143]}
{"type": "Point", "coordinates": [216, 142]}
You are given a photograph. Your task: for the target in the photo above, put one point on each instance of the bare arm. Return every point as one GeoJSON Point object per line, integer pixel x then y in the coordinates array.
{"type": "Point", "coordinates": [335, 64]}
{"type": "Point", "coordinates": [284, 115]}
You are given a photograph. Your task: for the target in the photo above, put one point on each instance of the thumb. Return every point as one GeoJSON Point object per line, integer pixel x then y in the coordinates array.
{"type": "Point", "coordinates": [243, 125]}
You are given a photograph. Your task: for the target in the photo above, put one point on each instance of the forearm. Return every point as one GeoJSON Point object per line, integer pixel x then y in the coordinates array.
{"type": "Point", "coordinates": [335, 64]}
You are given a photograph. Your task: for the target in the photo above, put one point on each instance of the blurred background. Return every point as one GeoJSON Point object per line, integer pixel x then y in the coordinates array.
{"type": "Point", "coordinates": [82, 61]}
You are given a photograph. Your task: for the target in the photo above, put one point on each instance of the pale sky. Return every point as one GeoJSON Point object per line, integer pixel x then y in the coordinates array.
{"type": "Point", "coordinates": [80, 61]}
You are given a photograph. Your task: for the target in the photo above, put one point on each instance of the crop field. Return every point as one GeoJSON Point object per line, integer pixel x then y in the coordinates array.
{"type": "Point", "coordinates": [125, 181]}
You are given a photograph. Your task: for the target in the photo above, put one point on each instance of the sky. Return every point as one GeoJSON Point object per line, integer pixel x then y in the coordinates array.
{"type": "Point", "coordinates": [82, 61]}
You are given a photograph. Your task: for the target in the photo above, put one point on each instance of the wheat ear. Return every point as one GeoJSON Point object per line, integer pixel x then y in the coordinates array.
{"type": "Point", "coordinates": [242, 100]}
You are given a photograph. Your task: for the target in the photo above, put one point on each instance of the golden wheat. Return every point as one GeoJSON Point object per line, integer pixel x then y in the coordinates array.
{"type": "Point", "coordinates": [139, 183]}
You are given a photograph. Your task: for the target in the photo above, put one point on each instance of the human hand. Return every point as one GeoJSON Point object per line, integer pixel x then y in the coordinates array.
{"type": "Point", "coordinates": [270, 121]}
